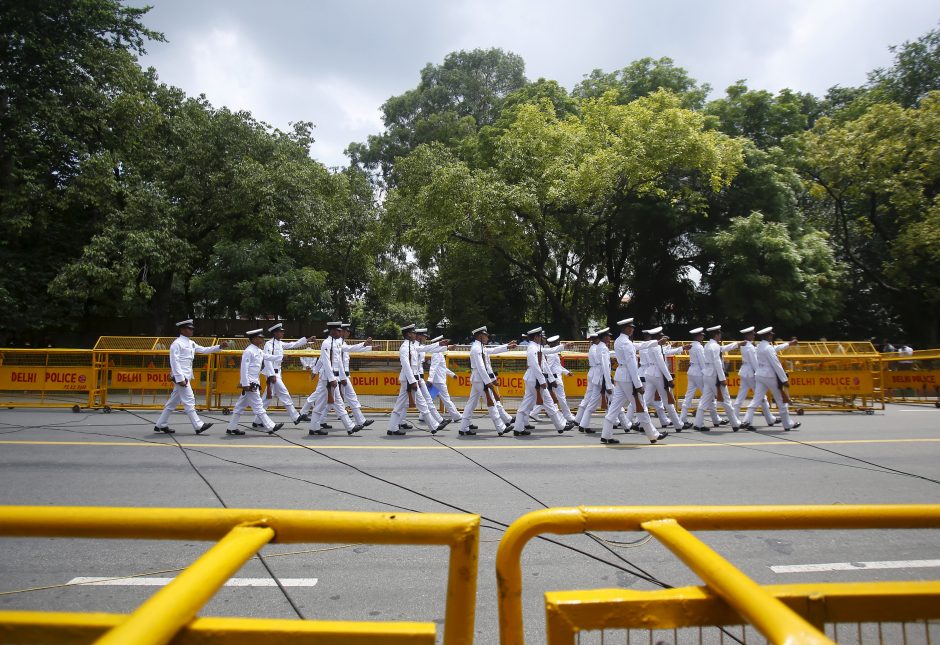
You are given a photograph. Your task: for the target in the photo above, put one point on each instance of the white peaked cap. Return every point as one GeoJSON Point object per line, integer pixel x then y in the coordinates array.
{"type": "Point", "coordinates": [421, 330]}
{"type": "Point", "coordinates": [715, 328]}
{"type": "Point", "coordinates": [532, 332]}
{"type": "Point", "coordinates": [479, 330]}
{"type": "Point", "coordinates": [765, 330]}
{"type": "Point", "coordinates": [747, 330]}
{"type": "Point", "coordinates": [697, 330]}
{"type": "Point", "coordinates": [625, 321]}
{"type": "Point", "coordinates": [654, 331]}
{"type": "Point", "coordinates": [276, 327]}
{"type": "Point", "coordinates": [552, 339]}
{"type": "Point", "coordinates": [254, 332]}
{"type": "Point", "coordinates": [605, 330]}
{"type": "Point", "coordinates": [185, 323]}
{"type": "Point", "coordinates": [346, 325]}
{"type": "Point", "coordinates": [437, 338]}
{"type": "Point", "coordinates": [335, 324]}
{"type": "Point", "coordinates": [408, 328]}
{"type": "Point", "coordinates": [592, 334]}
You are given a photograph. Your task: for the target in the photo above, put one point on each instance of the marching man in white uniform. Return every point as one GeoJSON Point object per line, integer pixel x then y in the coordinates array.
{"type": "Point", "coordinates": [694, 376]}
{"type": "Point", "coordinates": [770, 376]}
{"type": "Point", "coordinates": [438, 376]}
{"type": "Point", "coordinates": [659, 378]}
{"type": "Point", "coordinates": [249, 380]}
{"type": "Point", "coordinates": [409, 392]}
{"type": "Point", "coordinates": [328, 393]}
{"type": "Point", "coordinates": [482, 380]}
{"type": "Point", "coordinates": [536, 387]}
{"type": "Point", "coordinates": [346, 385]}
{"type": "Point", "coordinates": [493, 390]}
{"type": "Point", "coordinates": [627, 386]}
{"type": "Point", "coordinates": [434, 418]}
{"type": "Point", "coordinates": [646, 367]}
{"type": "Point", "coordinates": [556, 371]}
{"type": "Point", "coordinates": [747, 375]}
{"type": "Point", "coordinates": [595, 385]}
{"type": "Point", "coordinates": [276, 388]}
{"type": "Point", "coordinates": [182, 352]}
{"type": "Point", "coordinates": [715, 382]}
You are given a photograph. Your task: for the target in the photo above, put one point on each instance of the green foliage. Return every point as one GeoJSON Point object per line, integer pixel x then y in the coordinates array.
{"type": "Point", "coordinates": [915, 73]}
{"type": "Point", "coordinates": [760, 116]}
{"type": "Point", "coordinates": [642, 78]}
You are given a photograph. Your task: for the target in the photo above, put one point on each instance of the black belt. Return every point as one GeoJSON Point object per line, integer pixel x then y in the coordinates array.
{"type": "Point", "coordinates": [276, 371]}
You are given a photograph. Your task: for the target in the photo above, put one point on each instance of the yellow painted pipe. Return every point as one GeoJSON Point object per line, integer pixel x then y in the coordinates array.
{"type": "Point", "coordinates": [167, 611]}
{"type": "Point", "coordinates": [776, 621]}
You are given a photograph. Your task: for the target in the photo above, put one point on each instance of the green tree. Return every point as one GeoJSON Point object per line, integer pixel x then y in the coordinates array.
{"type": "Point", "coordinates": [642, 78]}
{"type": "Point", "coordinates": [915, 72]}
{"type": "Point", "coordinates": [762, 117]}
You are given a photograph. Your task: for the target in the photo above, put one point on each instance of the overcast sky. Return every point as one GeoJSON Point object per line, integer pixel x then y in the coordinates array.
{"type": "Point", "coordinates": [335, 63]}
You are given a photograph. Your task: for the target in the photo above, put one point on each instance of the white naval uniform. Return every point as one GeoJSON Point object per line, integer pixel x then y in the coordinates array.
{"type": "Point", "coordinates": [249, 379]}
{"type": "Point", "coordinates": [713, 373]}
{"type": "Point", "coordinates": [694, 376]}
{"type": "Point", "coordinates": [659, 380]}
{"type": "Point", "coordinates": [433, 418]}
{"type": "Point", "coordinates": [349, 392]}
{"type": "Point", "coordinates": [597, 382]}
{"type": "Point", "coordinates": [480, 377]}
{"type": "Point", "coordinates": [272, 368]}
{"type": "Point", "coordinates": [535, 377]}
{"type": "Point", "coordinates": [487, 352]}
{"type": "Point", "coordinates": [331, 373]}
{"type": "Point", "coordinates": [748, 378]}
{"type": "Point", "coordinates": [770, 374]}
{"type": "Point", "coordinates": [438, 376]}
{"type": "Point", "coordinates": [182, 352]}
{"type": "Point", "coordinates": [649, 395]}
{"type": "Point", "coordinates": [556, 370]}
{"type": "Point", "coordinates": [626, 382]}
{"type": "Point", "coordinates": [408, 357]}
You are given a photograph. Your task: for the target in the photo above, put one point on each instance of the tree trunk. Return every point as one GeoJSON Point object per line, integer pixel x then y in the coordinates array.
{"type": "Point", "coordinates": [161, 305]}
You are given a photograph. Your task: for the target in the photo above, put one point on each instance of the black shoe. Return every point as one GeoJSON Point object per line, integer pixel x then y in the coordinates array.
{"type": "Point", "coordinates": [685, 426]}
{"type": "Point", "coordinates": [302, 418]}
{"type": "Point", "coordinates": [503, 431]}
{"type": "Point", "coordinates": [662, 435]}
{"type": "Point", "coordinates": [611, 440]}
{"type": "Point", "coordinates": [367, 423]}
{"type": "Point", "coordinates": [775, 421]}
{"type": "Point", "coordinates": [405, 426]}
{"type": "Point", "coordinates": [735, 428]}
{"type": "Point", "coordinates": [517, 433]}
{"type": "Point", "coordinates": [589, 431]}
{"type": "Point", "coordinates": [440, 427]}
{"type": "Point", "coordinates": [464, 433]}
{"type": "Point", "coordinates": [746, 426]}
{"type": "Point", "coordinates": [236, 431]}
{"type": "Point", "coordinates": [354, 429]}
{"type": "Point", "coordinates": [795, 425]}
{"type": "Point", "coordinates": [203, 428]}
{"type": "Point", "coordinates": [326, 426]}
{"type": "Point", "coordinates": [529, 427]}
{"type": "Point", "coordinates": [397, 433]}
{"type": "Point", "coordinates": [257, 425]}
{"type": "Point", "coordinates": [163, 430]}
{"type": "Point", "coordinates": [569, 425]}
{"type": "Point", "coordinates": [277, 426]}
{"type": "Point", "coordinates": [580, 429]}
{"type": "Point", "coordinates": [704, 429]}
{"type": "Point", "coordinates": [472, 427]}
{"type": "Point", "coordinates": [446, 422]}
{"type": "Point", "coordinates": [318, 432]}
{"type": "Point", "coordinates": [724, 422]}
{"type": "Point", "coordinates": [617, 426]}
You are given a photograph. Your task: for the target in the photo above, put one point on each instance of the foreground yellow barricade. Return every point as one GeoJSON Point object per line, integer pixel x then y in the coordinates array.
{"type": "Point", "coordinates": [239, 534]}
{"type": "Point", "coordinates": [782, 614]}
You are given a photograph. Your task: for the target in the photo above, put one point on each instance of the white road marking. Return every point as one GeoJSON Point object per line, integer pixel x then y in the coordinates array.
{"type": "Point", "coordinates": [855, 566]}
{"type": "Point", "coordinates": [924, 410]}
{"type": "Point", "coordinates": [162, 582]}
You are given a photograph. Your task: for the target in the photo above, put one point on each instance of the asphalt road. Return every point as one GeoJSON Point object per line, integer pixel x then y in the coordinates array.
{"type": "Point", "coordinates": [97, 459]}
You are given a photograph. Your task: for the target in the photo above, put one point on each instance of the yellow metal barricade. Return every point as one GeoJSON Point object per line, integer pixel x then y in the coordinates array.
{"type": "Point", "coordinates": [912, 379]}
{"type": "Point", "coordinates": [782, 614]}
{"type": "Point", "coordinates": [239, 534]}
{"type": "Point", "coordinates": [49, 378]}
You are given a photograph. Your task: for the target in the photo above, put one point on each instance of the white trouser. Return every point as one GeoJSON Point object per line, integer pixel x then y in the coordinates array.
{"type": "Point", "coordinates": [432, 417]}
{"type": "Point", "coordinates": [750, 383]}
{"type": "Point", "coordinates": [449, 406]}
{"type": "Point", "coordinates": [279, 392]}
{"type": "Point", "coordinates": [322, 405]}
{"type": "Point", "coordinates": [624, 394]}
{"type": "Point", "coordinates": [352, 400]}
{"type": "Point", "coordinates": [181, 394]}
{"type": "Point", "coordinates": [695, 383]}
{"type": "Point", "coordinates": [562, 403]}
{"type": "Point", "coordinates": [478, 390]}
{"type": "Point", "coordinates": [656, 384]}
{"type": "Point", "coordinates": [709, 395]}
{"type": "Point", "coordinates": [503, 415]}
{"type": "Point", "coordinates": [252, 399]}
{"type": "Point", "coordinates": [400, 411]}
{"type": "Point", "coordinates": [529, 401]}
{"type": "Point", "coordinates": [763, 384]}
{"type": "Point", "coordinates": [590, 402]}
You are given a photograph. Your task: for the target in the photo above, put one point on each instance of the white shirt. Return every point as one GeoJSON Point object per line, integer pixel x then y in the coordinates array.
{"type": "Point", "coordinates": [486, 351]}
{"type": "Point", "coordinates": [768, 363]}
{"type": "Point", "coordinates": [658, 364]}
{"type": "Point", "coordinates": [534, 368]}
{"type": "Point", "coordinates": [627, 368]}
{"type": "Point", "coordinates": [352, 349]}
{"type": "Point", "coordinates": [408, 357]}
{"type": "Point", "coordinates": [331, 359]}
{"type": "Point", "coordinates": [276, 348]}
{"type": "Point", "coordinates": [603, 352]}
{"type": "Point", "coordinates": [696, 358]}
{"type": "Point", "coordinates": [252, 360]}
{"type": "Point", "coordinates": [182, 352]}
{"type": "Point", "coordinates": [439, 371]}
{"type": "Point", "coordinates": [551, 361]}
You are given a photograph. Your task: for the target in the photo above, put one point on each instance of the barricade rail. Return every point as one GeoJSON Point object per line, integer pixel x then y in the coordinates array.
{"type": "Point", "coordinates": [239, 534]}
{"type": "Point", "coordinates": [780, 613]}
{"type": "Point", "coordinates": [133, 372]}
